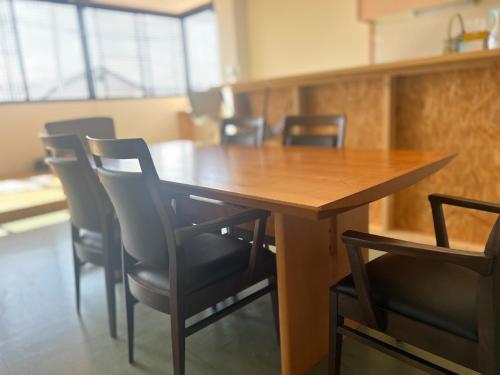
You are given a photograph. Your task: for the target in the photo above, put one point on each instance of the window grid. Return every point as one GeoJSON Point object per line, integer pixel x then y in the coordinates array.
{"type": "Point", "coordinates": [12, 84]}
{"type": "Point", "coordinates": [50, 45]}
{"type": "Point", "coordinates": [144, 56]}
{"type": "Point", "coordinates": [202, 50]}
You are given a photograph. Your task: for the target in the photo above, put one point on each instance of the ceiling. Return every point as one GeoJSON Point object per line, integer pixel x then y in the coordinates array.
{"type": "Point", "coordinates": [167, 6]}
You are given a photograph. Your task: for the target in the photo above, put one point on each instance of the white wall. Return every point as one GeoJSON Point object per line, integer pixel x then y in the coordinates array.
{"type": "Point", "coordinates": [422, 34]}
{"type": "Point", "coordinates": [286, 37]}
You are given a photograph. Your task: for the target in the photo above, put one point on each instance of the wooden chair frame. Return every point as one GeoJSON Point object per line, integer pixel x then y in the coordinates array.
{"type": "Point", "coordinates": [256, 125]}
{"type": "Point", "coordinates": [481, 355]}
{"type": "Point", "coordinates": [97, 127]}
{"type": "Point", "coordinates": [57, 148]}
{"type": "Point", "coordinates": [178, 303]}
{"type": "Point", "coordinates": [309, 122]}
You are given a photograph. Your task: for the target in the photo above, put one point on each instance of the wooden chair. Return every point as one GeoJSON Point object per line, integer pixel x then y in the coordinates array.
{"type": "Point", "coordinates": [312, 131]}
{"type": "Point", "coordinates": [438, 299]}
{"type": "Point", "coordinates": [176, 269]}
{"type": "Point", "coordinates": [96, 127]}
{"type": "Point", "coordinates": [94, 231]}
{"type": "Point", "coordinates": [243, 131]}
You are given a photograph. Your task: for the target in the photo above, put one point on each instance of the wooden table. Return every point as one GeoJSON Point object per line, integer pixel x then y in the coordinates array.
{"type": "Point", "coordinates": [314, 195]}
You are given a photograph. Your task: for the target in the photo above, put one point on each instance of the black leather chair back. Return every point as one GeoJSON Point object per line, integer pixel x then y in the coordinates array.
{"type": "Point", "coordinates": [146, 217]}
{"type": "Point", "coordinates": [243, 131]}
{"type": "Point", "coordinates": [311, 131]}
{"type": "Point", "coordinates": [206, 103]}
{"type": "Point", "coordinates": [95, 127]}
{"type": "Point", "coordinates": [67, 158]}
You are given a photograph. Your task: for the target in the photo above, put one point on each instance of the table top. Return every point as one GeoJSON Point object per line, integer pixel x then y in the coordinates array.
{"type": "Point", "coordinates": [304, 181]}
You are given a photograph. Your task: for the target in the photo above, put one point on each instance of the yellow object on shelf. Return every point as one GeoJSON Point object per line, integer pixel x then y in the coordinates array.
{"type": "Point", "coordinates": [478, 35]}
{"type": "Point", "coordinates": [473, 41]}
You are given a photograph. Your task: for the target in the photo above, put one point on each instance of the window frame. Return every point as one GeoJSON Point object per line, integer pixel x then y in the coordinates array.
{"type": "Point", "coordinates": [80, 6]}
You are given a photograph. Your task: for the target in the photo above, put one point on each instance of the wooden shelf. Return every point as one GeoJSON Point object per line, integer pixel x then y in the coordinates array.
{"type": "Point", "coordinates": [445, 103]}
{"type": "Point", "coordinates": [395, 69]}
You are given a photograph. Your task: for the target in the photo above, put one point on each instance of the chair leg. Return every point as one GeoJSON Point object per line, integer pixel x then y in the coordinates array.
{"type": "Point", "coordinates": [335, 350]}
{"type": "Point", "coordinates": [489, 363]}
{"type": "Point", "coordinates": [77, 266]}
{"type": "Point", "coordinates": [275, 304]}
{"type": "Point", "coordinates": [111, 300]}
{"type": "Point", "coordinates": [129, 304]}
{"type": "Point", "coordinates": [178, 342]}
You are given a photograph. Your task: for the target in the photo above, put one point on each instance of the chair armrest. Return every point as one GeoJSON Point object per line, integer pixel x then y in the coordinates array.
{"type": "Point", "coordinates": [184, 233]}
{"type": "Point", "coordinates": [355, 241]}
{"type": "Point", "coordinates": [437, 201]}
{"type": "Point", "coordinates": [464, 202]}
{"type": "Point", "coordinates": [477, 262]}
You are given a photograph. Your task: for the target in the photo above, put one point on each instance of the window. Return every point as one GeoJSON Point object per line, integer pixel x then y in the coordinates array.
{"type": "Point", "coordinates": [51, 50]}
{"type": "Point", "coordinates": [165, 71]}
{"type": "Point", "coordinates": [134, 54]}
{"type": "Point", "coordinates": [202, 44]}
{"type": "Point", "coordinates": [114, 53]}
{"type": "Point", "coordinates": [11, 77]}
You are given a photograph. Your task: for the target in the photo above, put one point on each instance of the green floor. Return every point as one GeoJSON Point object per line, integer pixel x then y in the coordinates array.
{"type": "Point", "coordinates": [40, 332]}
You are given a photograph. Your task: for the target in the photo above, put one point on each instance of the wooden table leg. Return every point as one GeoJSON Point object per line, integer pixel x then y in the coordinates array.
{"type": "Point", "coordinates": [310, 259]}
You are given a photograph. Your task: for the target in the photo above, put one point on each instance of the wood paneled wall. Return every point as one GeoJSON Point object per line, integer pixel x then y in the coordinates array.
{"type": "Point", "coordinates": [459, 112]}
{"type": "Point", "coordinates": [454, 108]}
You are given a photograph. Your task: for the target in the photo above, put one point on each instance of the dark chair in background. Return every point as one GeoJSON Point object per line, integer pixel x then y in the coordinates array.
{"type": "Point", "coordinates": [438, 299]}
{"type": "Point", "coordinates": [179, 270]}
{"type": "Point", "coordinates": [206, 103]}
{"type": "Point", "coordinates": [94, 230]}
{"type": "Point", "coordinates": [243, 131]}
{"type": "Point", "coordinates": [96, 127]}
{"type": "Point", "coordinates": [315, 131]}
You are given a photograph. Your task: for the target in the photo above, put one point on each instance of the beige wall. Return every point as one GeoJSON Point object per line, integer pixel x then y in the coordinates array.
{"type": "Point", "coordinates": [232, 33]}
{"type": "Point", "coordinates": [153, 119]}
{"type": "Point", "coordinates": [371, 9]}
{"type": "Point", "coordinates": [421, 34]}
{"type": "Point", "coordinates": [298, 36]}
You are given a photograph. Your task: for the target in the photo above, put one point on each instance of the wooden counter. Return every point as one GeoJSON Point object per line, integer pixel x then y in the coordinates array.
{"type": "Point", "coordinates": [446, 103]}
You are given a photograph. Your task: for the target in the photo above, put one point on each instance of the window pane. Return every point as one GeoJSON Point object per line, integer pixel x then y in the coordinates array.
{"type": "Point", "coordinates": [52, 50]}
{"type": "Point", "coordinates": [202, 41]}
{"type": "Point", "coordinates": [163, 57]}
{"type": "Point", "coordinates": [135, 54]}
{"type": "Point", "coordinates": [11, 81]}
{"type": "Point", "coordinates": [114, 53]}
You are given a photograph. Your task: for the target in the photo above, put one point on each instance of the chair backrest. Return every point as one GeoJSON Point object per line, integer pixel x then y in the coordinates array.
{"type": "Point", "coordinates": [67, 158]}
{"type": "Point", "coordinates": [146, 216]}
{"type": "Point", "coordinates": [243, 131]}
{"type": "Point", "coordinates": [95, 127]}
{"type": "Point", "coordinates": [315, 131]}
{"type": "Point", "coordinates": [206, 103]}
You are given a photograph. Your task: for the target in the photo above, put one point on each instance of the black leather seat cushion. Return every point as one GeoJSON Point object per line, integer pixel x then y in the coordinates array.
{"type": "Point", "coordinates": [438, 294]}
{"type": "Point", "coordinates": [209, 258]}
{"type": "Point", "coordinates": [92, 240]}
{"type": "Point", "coordinates": [89, 247]}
